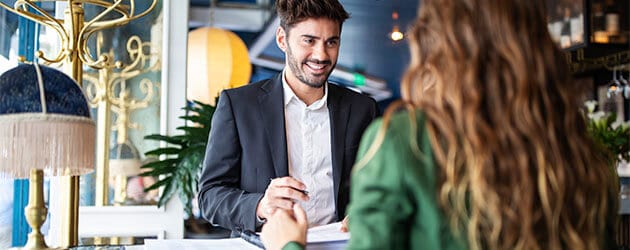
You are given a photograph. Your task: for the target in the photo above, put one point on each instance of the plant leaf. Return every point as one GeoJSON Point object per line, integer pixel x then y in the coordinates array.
{"type": "Point", "coordinates": [159, 183]}
{"type": "Point", "coordinates": [156, 172]}
{"type": "Point", "coordinates": [161, 164]}
{"type": "Point", "coordinates": [164, 151]}
{"type": "Point", "coordinates": [167, 193]}
{"type": "Point", "coordinates": [169, 139]}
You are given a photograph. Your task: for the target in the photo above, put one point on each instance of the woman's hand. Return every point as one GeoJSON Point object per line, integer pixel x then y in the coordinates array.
{"type": "Point", "coordinates": [283, 227]}
{"type": "Point", "coordinates": [344, 225]}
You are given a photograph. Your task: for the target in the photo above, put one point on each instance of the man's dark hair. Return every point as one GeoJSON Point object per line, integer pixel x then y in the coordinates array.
{"type": "Point", "coordinates": [291, 12]}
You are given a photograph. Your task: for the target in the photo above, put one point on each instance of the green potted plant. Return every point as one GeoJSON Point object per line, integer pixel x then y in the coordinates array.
{"type": "Point", "coordinates": [614, 135]}
{"type": "Point", "coordinates": [181, 159]}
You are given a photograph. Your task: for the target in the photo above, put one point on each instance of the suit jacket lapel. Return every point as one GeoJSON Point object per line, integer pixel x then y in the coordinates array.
{"type": "Point", "coordinates": [338, 112]}
{"type": "Point", "coordinates": [271, 109]}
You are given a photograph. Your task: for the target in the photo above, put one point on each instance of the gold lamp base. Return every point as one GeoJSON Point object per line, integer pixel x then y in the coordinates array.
{"type": "Point", "coordinates": [35, 211]}
{"type": "Point", "coordinates": [35, 244]}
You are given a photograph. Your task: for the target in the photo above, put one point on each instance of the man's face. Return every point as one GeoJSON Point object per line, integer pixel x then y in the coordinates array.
{"type": "Point", "coordinates": [311, 49]}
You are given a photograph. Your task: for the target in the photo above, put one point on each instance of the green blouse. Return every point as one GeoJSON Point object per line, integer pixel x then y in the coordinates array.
{"type": "Point", "coordinates": [393, 197]}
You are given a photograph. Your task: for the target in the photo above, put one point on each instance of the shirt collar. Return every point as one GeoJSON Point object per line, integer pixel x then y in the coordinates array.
{"type": "Point", "coordinates": [290, 95]}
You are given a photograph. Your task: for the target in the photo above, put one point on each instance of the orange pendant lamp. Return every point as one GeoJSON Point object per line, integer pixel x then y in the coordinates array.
{"type": "Point", "coordinates": [217, 60]}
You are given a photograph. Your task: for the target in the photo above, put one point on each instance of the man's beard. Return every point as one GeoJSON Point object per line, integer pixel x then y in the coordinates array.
{"type": "Point", "coordinates": [313, 82]}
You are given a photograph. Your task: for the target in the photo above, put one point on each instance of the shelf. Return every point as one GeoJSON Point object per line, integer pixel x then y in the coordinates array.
{"type": "Point", "coordinates": [598, 57]}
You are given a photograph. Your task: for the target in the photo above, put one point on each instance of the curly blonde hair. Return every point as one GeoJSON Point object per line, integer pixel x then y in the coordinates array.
{"type": "Point", "coordinates": [517, 169]}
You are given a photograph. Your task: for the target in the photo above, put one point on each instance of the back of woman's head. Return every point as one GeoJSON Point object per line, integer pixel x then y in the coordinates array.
{"type": "Point", "coordinates": [518, 170]}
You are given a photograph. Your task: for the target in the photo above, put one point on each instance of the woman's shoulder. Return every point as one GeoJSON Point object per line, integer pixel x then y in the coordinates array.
{"type": "Point", "coordinates": [398, 125]}
{"type": "Point", "coordinates": [401, 135]}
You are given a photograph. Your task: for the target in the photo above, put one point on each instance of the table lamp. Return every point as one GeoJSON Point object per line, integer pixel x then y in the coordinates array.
{"type": "Point", "coordinates": [124, 161]}
{"type": "Point", "coordinates": [45, 127]}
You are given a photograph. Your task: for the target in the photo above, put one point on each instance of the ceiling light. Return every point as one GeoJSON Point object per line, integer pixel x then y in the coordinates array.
{"type": "Point", "coordinates": [396, 35]}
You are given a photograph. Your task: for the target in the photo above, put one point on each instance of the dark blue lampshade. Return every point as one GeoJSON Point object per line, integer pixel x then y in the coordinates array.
{"type": "Point", "coordinates": [44, 123]}
{"type": "Point", "coordinates": [19, 92]}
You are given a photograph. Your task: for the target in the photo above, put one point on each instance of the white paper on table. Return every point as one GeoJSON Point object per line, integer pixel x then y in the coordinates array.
{"type": "Point", "coordinates": [326, 233]}
{"type": "Point", "coordinates": [190, 244]}
{"type": "Point", "coordinates": [327, 237]}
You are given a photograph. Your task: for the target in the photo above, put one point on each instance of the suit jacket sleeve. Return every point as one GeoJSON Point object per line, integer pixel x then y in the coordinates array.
{"type": "Point", "coordinates": [221, 200]}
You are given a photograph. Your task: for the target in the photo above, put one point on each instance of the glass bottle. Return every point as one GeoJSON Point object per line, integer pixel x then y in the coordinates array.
{"type": "Point", "coordinates": [612, 18]}
{"type": "Point", "coordinates": [565, 32]}
{"type": "Point", "coordinates": [598, 24]}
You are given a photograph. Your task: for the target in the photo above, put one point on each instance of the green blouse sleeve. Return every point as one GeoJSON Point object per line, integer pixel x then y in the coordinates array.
{"type": "Point", "coordinates": [293, 246]}
{"type": "Point", "coordinates": [380, 208]}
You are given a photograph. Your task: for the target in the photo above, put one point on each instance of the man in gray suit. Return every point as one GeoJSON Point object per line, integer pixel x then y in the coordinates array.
{"type": "Point", "coordinates": [292, 138]}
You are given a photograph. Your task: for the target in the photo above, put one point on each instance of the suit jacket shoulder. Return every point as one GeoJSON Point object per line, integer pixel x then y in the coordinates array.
{"type": "Point", "coordinates": [359, 104]}
{"type": "Point", "coordinates": [350, 95]}
{"type": "Point", "coordinates": [255, 89]}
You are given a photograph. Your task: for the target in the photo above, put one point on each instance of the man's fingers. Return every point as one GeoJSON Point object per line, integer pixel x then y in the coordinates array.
{"type": "Point", "coordinates": [300, 214]}
{"type": "Point", "coordinates": [270, 211]}
{"type": "Point", "coordinates": [286, 193]}
{"type": "Point", "coordinates": [291, 193]}
{"type": "Point", "coordinates": [287, 181]}
{"type": "Point", "coordinates": [281, 203]}
{"type": "Point", "coordinates": [281, 214]}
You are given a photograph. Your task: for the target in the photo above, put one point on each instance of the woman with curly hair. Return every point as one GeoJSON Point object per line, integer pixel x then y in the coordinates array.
{"type": "Point", "coordinates": [490, 150]}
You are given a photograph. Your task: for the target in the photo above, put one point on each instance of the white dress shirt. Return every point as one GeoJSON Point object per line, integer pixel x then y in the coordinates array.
{"type": "Point", "coordinates": [310, 153]}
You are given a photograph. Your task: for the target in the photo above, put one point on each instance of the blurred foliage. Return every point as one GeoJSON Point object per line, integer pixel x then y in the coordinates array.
{"type": "Point", "coordinates": [613, 134]}
{"type": "Point", "coordinates": [182, 157]}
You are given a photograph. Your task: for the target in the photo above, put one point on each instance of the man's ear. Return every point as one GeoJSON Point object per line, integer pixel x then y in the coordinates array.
{"type": "Point", "coordinates": [281, 39]}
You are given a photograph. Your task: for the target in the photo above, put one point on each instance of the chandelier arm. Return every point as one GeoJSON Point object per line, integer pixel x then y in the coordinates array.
{"type": "Point", "coordinates": [114, 101]}
{"type": "Point", "coordinates": [134, 53]}
{"type": "Point", "coordinates": [90, 90]}
{"type": "Point", "coordinates": [126, 16]}
{"type": "Point", "coordinates": [60, 56]}
{"type": "Point", "coordinates": [146, 86]}
{"type": "Point", "coordinates": [128, 71]}
{"type": "Point", "coordinates": [63, 37]}
{"type": "Point", "coordinates": [111, 86]}
{"type": "Point", "coordinates": [21, 8]}
{"type": "Point", "coordinates": [121, 21]}
{"type": "Point", "coordinates": [120, 8]}
{"type": "Point", "coordinates": [86, 56]}
{"type": "Point", "coordinates": [116, 110]}
{"type": "Point", "coordinates": [98, 17]}
{"type": "Point", "coordinates": [44, 18]}
{"type": "Point", "coordinates": [131, 73]}
{"type": "Point", "coordinates": [87, 31]}
{"type": "Point", "coordinates": [134, 17]}
{"type": "Point", "coordinates": [146, 58]}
